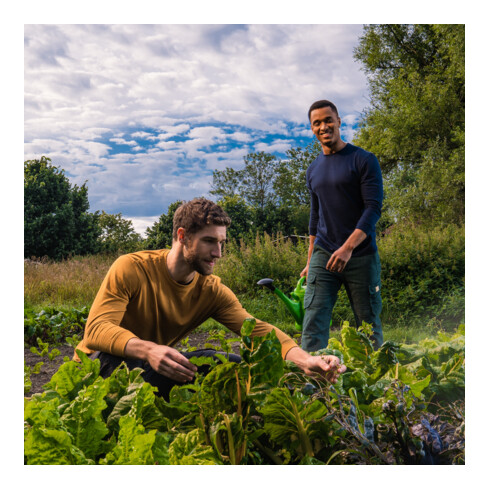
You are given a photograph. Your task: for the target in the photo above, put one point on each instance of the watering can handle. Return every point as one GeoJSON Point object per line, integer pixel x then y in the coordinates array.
{"type": "Point", "coordinates": [267, 283]}
{"type": "Point", "coordinates": [301, 281]}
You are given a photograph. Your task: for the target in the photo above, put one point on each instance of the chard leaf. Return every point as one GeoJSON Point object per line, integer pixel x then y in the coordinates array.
{"type": "Point", "coordinates": [355, 379]}
{"type": "Point", "coordinates": [116, 386]}
{"type": "Point", "coordinates": [228, 437]}
{"type": "Point", "coordinates": [357, 345]}
{"type": "Point", "coordinates": [219, 390]}
{"type": "Point", "coordinates": [405, 376]}
{"type": "Point", "coordinates": [248, 327]}
{"type": "Point", "coordinates": [263, 364]}
{"type": "Point", "coordinates": [206, 360]}
{"type": "Point", "coordinates": [181, 409]}
{"type": "Point", "coordinates": [188, 448]}
{"type": "Point", "coordinates": [377, 389]}
{"type": "Point", "coordinates": [39, 412]}
{"type": "Point", "coordinates": [50, 447]}
{"type": "Point", "coordinates": [139, 402]}
{"type": "Point", "coordinates": [134, 444]}
{"type": "Point", "coordinates": [72, 376]}
{"type": "Point", "coordinates": [290, 420]}
{"type": "Point", "coordinates": [160, 448]}
{"type": "Point", "coordinates": [83, 419]}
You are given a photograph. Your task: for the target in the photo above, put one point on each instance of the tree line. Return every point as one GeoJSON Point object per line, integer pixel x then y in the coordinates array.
{"type": "Point", "coordinates": [414, 125]}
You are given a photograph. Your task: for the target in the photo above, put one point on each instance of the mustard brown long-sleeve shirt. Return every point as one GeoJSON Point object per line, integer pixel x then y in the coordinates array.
{"type": "Point", "coordinates": [138, 298]}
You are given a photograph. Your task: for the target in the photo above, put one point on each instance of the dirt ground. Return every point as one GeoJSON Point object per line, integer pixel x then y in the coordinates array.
{"type": "Point", "coordinates": [50, 367]}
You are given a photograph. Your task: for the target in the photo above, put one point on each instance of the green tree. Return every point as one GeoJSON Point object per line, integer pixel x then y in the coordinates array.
{"type": "Point", "coordinates": [415, 123]}
{"type": "Point", "coordinates": [160, 234]}
{"type": "Point", "coordinates": [117, 234]}
{"type": "Point", "coordinates": [257, 185]}
{"type": "Point", "coordinates": [271, 193]}
{"type": "Point", "coordinates": [57, 223]}
{"type": "Point", "coordinates": [254, 183]}
{"type": "Point", "coordinates": [226, 183]}
{"type": "Point", "coordinates": [290, 180]}
{"type": "Point", "coordinates": [241, 214]}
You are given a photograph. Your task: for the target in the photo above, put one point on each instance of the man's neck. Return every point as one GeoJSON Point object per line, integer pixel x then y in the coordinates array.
{"type": "Point", "coordinates": [178, 268]}
{"type": "Point", "coordinates": [331, 150]}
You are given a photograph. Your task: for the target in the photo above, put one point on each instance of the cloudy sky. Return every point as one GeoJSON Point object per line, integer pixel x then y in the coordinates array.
{"type": "Point", "coordinates": [145, 113]}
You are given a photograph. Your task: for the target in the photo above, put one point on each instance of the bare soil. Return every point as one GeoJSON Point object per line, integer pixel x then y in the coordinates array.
{"type": "Point", "coordinates": [196, 339]}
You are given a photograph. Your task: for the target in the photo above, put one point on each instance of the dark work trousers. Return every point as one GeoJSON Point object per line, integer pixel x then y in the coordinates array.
{"type": "Point", "coordinates": [362, 281]}
{"type": "Point", "coordinates": [108, 363]}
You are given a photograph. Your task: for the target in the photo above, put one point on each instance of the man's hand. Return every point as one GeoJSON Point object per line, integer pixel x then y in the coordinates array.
{"type": "Point", "coordinates": [304, 272]}
{"type": "Point", "coordinates": [163, 359]}
{"type": "Point", "coordinates": [170, 362]}
{"type": "Point", "coordinates": [339, 259]}
{"type": "Point", "coordinates": [341, 256]}
{"type": "Point", "coordinates": [327, 366]}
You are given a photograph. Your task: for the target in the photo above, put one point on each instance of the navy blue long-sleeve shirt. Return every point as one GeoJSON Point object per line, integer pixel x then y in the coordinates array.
{"type": "Point", "coordinates": [346, 191]}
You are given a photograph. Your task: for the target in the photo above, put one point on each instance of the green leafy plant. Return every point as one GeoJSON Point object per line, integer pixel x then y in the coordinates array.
{"type": "Point", "coordinates": [44, 350]}
{"type": "Point", "coordinates": [388, 408]}
{"type": "Point", "coordinates": [54, 326]}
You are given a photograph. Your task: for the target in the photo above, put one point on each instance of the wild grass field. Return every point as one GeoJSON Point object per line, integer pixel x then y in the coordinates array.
{"type": "Point", "coordinates": [422, 281]}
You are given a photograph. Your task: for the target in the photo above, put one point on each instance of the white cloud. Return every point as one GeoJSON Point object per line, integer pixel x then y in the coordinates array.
{"type": "Point", "coordinates": [141, 223]}
{"type": "Point", "coordinates": [187, 99]}
{"type": "Point", "coordinates": [170, 131]}
{"type": "Point", "coordinates": [122, 141]}
{"type": "Point", "coordinates": [144, 135]}
{"type": "Point", "coordinates": [279, 146]}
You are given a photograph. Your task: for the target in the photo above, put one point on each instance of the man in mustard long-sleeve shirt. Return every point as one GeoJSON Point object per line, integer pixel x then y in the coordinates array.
{"type": "Point", "coordinates": [150, 300]}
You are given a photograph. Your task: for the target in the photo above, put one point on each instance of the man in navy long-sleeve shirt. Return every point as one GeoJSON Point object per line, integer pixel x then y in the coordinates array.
{"type": "Point", "coordinates": [346, 189]}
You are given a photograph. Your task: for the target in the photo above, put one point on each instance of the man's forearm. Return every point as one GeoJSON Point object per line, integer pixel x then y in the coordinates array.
{"type": "Point", "coordinates": [298, 356]}
{"type": "Point", "coordinates": [355, 239]}
{"type": "Point", "coordinates": [138, 349]}
{"type": "Point", "coordinates": [310, 247]}
{"type": "Point", "coordinates": [164, 360]}
{"type": "Point", "coordinates": [304, 272]}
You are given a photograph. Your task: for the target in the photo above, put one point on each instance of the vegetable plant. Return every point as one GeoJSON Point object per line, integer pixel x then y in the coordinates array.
{"type": "Point", "coordinates": [401, 404]}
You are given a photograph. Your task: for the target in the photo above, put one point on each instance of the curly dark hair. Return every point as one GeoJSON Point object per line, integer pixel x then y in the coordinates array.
{"type": "Point", "coordinates": [196, 214]}
{"type": "Point", "coordinates": [322, 103]}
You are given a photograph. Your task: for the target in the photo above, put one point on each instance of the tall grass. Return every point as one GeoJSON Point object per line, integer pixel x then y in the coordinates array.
{"type": "Point", "coordinates": [274, 257]}
{"type": "Point", "coordinates": [71, 283]}
{"type": "Point", "coordinates": [422, 280]}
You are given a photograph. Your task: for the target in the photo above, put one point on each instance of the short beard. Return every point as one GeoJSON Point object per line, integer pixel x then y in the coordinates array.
{"type": "Point", "coordinates": [195, 263]}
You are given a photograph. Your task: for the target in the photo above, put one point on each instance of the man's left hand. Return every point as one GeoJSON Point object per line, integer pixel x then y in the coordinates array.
{"type": "Point", "coordinates": [339, 259]}
{"type": "Point", "coordinates": [327, 366]}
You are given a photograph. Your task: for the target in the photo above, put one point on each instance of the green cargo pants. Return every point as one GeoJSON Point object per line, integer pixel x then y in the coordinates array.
{"type": "Point", "coordinates": [362, 281]}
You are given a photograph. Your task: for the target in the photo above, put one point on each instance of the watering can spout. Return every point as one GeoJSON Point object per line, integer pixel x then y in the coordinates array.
{"type": "Point", "coordinates": [293, 304]}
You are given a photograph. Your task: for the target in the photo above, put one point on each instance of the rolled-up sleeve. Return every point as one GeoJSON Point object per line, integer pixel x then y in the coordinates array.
{"type": "Point", "coordinates": [231, 314]}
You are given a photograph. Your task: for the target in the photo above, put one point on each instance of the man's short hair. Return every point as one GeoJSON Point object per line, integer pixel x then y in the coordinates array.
{"type": "Point", "coordinates": [196, 214]}
{"type": "Point", "coordinates": [322, 103]}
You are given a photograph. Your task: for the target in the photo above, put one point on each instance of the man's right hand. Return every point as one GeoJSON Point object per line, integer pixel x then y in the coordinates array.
{"type": "Point", "coordinates": [163, 359]}
{"type": "Point", "coordinates": [304, 272]}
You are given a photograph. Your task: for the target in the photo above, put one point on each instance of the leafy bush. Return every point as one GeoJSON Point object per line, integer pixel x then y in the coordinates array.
{"type": "Point", "coordinates": [276, 257]}
{"type": "Point", "coordinates": [117, 235]}
{"type": "Point", "coordinates": [423, 272]}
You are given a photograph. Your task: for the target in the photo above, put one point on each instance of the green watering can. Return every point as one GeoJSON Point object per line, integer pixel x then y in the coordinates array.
{"type": "Point", "coordinates": [293, 304]}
